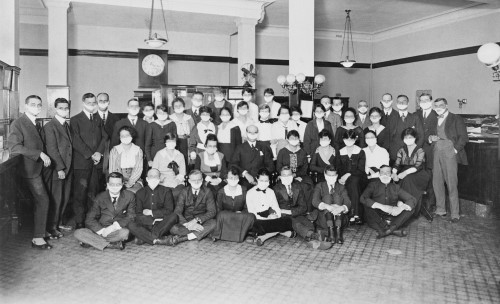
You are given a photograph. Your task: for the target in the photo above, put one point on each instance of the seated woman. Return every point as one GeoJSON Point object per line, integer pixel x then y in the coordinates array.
{"type": "Point", "coordinates": [218, 104]}
{"type": "Point", "coordinates": [294, 157]}
{"type": "Point", "coordinates": [155, 135]}
{"type": "Point", "coordinates": [171, 164]}
{"type": "Point", "coordinates": [281, 128]}
{"type": "Point", "coordinates": [409, 168]}
{"type": "Point", "coordinates": [212, 164]}
{"type": "Point", "coordinates": [311, 138]}
{"type": "Point", "coordinates": [228, 134]}
{"type": "Point", "coordinates": [184, 124]}
{"type": "Point", "coordinates": [324, 155]}
{"type": "Point", "coordinates": [127, 159]}
{"type": "Point", "coordinates": [351, 170]}
{"type": "Point", "coordinates": [243, 120]}
{"type": "Point", "coordinates": [200, 132]}
{"type": "Point", "coordinates": [380, 131]}
{"type": "Point", "coordinates": [349, 119]}
{"type": "Point", "coordinates": [301, 125]}
{"type": "Point", "coordinates": [233, 219]}
{"type": "Point", "coordinates": [261, 201]}
{"type": "Point", "coordinates": [265, 125]}
{"type": "Point", "coordinates": [376, 156]}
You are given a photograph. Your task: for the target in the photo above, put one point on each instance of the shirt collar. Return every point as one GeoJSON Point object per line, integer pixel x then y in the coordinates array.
{"type": "Point", "coordinates": [427, 112]}
{"type": "Point", "coordinates": [31, 117]}
{"type": "Point", "coordinates": [60, 119]}
{"type": "Point", "coordinates": [387, 111]}
{"type": "Point", "coordinates": [445, 114]}
{"type": "Point", "coordinates": [338, 113]}
{"type": "Point", "coordinates": [330, 186]}
{"type": "Point", "coordinates": [132, 118]}
{"type": "Point", "coordinates": [401, 113]}
{"type": "Point", "coordinates": [101, 113]}
{"type": "Point", "coordinates": [87, 113]}
{"type": "Point", "coordinates": [112, 196]}
{"type": "Point", "coordinates": [362, 115]}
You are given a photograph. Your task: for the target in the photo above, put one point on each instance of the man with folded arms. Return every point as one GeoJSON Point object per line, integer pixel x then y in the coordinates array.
{"type": "Point", "coordinates": [111, 212]}
{"type": "Point", "coordinates": [388, 207]}
{"type": "Point", "coordinates": [154, 213]}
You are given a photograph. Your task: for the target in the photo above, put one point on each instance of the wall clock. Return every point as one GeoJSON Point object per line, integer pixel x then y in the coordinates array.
{"type": "Point", "coordinates": [153, 67]}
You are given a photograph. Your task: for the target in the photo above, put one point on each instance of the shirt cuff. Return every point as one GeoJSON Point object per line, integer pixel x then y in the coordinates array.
{"type": "Point", "coordinates": [100, 231]}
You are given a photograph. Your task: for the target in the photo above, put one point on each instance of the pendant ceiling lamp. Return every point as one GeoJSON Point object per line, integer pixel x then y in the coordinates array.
{"type": "Point", "coordinates": [154, 40]}
{"type": "Point", "coordinates": [347, 62]}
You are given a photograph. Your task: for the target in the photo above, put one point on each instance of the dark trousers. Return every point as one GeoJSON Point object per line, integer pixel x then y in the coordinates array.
{"type": "Point", "coordinates": [355, 186]}
{"type": "Point", "coordinates": [149, 233]}
{"type": "Point", "coordinates": [302, 226]}
{"type": "Point", "coordinates": [208, 226]}
{"type": "Point", "coordinates": [281, 224]}
{"type": "Point", "coordinates": [60, 190]}
{"type": "Point", "coordinates": [85, 188]}
{"type": "Point", "coordinates": [327, 219]}
{"type": "Point", "coordinates": [41, 203]}
{"type": "Point", "coordinates": [377, 219]}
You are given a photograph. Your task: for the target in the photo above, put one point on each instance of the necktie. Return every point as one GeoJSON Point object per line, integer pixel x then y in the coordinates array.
{"type": "Point", "coordinates": [133, 122]}
{"type": "Point", "coordinates": [331, 189]}
{"type": "Point", "coordinates": [38, 126]}
{"type": "Point", "coordinates": [196, 112]}
{"type": "Point", "coordinates": [91, 117]}
{"type": "Point", "coordinates": [425, 115]}
{"type": "Point", "coordinates": [290, 194]}
{"type": "Point", "coordinates": [387, 113]}
{"type": "Point", "coordinates": [114, 202]}
{"type": "Point", "coordinates": [403, 117]}
{"type": "Point", "coordinates": [104, 118]}
{"type": "Point", "coordinates": [66, 126]}
{"type": "Point", "coordinates": [286, 131]}
{"type": "Point", "coordinates": [195, 196]}
{"type": "Point", "coordinates": [263, 191]}
{"type": "Point", "coordinates": [441, 116]}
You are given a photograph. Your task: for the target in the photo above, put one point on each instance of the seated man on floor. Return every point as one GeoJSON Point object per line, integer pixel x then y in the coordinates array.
{"type": "Point", "coordinates": [388, 207]}
{"type": "Point", "coordinates": [196, 210]}
{"type": "Point", "coordinates": [292, 203]}
{"type": "Point", "coordinates": [111, 212]}
{"type": "Point", "coordinates": [154, 213]}
{"type": "Point", "coordinates": [333, 203]}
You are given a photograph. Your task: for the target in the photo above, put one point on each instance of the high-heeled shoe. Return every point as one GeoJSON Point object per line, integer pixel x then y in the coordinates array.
{"type": "Point", "coordinates": [45, 246]}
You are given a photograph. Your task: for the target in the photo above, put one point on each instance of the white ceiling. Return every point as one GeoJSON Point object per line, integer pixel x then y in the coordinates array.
{"type": "Point", "coordinates": [368, 16]}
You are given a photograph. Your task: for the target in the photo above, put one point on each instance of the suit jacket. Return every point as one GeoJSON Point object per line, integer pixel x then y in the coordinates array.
{"type": "Point", "coordinates": [103, 214]}
{"type": "Point", "coordinates": [25, 140]}
{"type": "Point", "coordinates": [196, 118]}
{"type": "Point", "coordinates": [456, 131]}
{"type": "Point", "coordinates": [111, 120]}
{"type": "Point", "coordinates": [335, 121]}
{"type": "Point", "coordinates": [429, 125]}
{"type": "Point", "coordinates": [386, 195]}
{"type": "Point", "coordinates": [321, 194]}
{"type": "Point", "coordinates": [141, 127]}
{"type": "Point", "coordinates": [364, 124]}
{"type": "Point", "coordinates": [297, 204]}
{"type": "Point", "coordinates": [411, 121]}
{"type": "Point", "coordinates": [59, 147]}
{"type": "Point", "coordinates": [251, 160]}
{"type": "Point", "coordinates": [311, 135]}
{"type": "Point", "coordinates": [160, 201]}
{"type": "Point", "coordinates": [88, 137]}
{"type": "Point", "coordinates": [187, 208]}
{"type": "Point", "coordinates": [390, 122]}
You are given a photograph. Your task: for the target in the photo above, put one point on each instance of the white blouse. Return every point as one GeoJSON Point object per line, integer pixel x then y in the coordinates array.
{"type": "Point", "coordinates": [376, 159]}
{"type": "Point", "coordinates": [258, 201]}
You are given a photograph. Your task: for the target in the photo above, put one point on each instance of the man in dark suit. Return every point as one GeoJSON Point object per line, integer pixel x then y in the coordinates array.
{"type": "Point", "coordinates": [27, 140]}
{"type": "Point", "coordinates": [89, 139]}
{"type": "Point", "coordinates": [389, 120]}
{"type": "Point", "coordinates": [196, 103]}
{"type": "Point", "coordinates": [60, 149]}
{"type": "Point", "coordinates": [108, 120]}
{"type": "Point", "coordinates": [387, 206]}
{"type": "Point", "coordinates": [251, 156]}
{"type": "Point", "coordinates": [134, 121]}
{"type": "Point", "coordinates": [292, 203]}
{"type": "Point", "coordinates": [448, 146]}
{"type": "Point", "coordinates": [154, 213]}
{"type": "Point", "coordinates": [428, 119]}
{"type": "Point", "coordinates": [113, 210]}
{"type": "Point", "coordinates": [196, 210]}
{"type": "Point", "coordinates": [363, 120]}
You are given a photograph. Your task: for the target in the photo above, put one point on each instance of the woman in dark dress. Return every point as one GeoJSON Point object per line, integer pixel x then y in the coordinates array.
{"type": "Point", "coordinates": [351, 171]}
{"type": "Point", "coordinates": [380, 131]}
{"type": "Point", "coordinates": [155, 136]}
{"type": "Point", "coordinates": [323, 156]}
{"type": "Point", "coordinates": [349, 119]}
{"type": "Point", "coordinates": [233, 219]}
{"type": "Point", "coordinates": [212, 164]}
{"type": "Point", "coordinates": [409, 168]}
{"type": "Point", "coordinates": [311, 139]}
{"type": "Point", "coordinates": [228, 135]}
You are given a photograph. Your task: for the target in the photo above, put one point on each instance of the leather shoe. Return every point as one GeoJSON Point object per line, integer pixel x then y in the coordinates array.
{"type": "Point", "coordinates": [45, 246]}
{"type": "Point", "coordinates": [65, 227]}
{"type": "Point", "coordinates": [116, 245]}
{"type": "Point", "coordinates": [84, 245]}
{"type": "Point", "coordinates": [439, 215]}
{"type": "Point", "coordinates": [138, 241]}
{"type": "Point", "coordinates": [400, 232]}
{"type": "Point", "coordinates": [54, 234]}
{"type": "Point", "coordinates": [454, 220]}
{"type": "Point", "coordinates": [340, 235]}
{"type": "Point", "coordinates": [383, 234]}
{"type": "Point", "coordinates": [314, 244]}
{"type": "Point", "coordinates": [79, 226]}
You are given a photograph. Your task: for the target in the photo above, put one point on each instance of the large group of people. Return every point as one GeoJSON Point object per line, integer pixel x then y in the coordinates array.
{"type": "Point", "coordinates": [235, 171]}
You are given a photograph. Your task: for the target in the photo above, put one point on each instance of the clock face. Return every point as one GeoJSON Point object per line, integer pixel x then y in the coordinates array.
{"type": "Point", "coordinates": [153, 65]}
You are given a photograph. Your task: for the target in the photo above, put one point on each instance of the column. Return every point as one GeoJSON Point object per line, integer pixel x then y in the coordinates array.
{"type": "Point", "coordinates": [58, 52]}
{"type": "Point", "coordinates": [301, 37]}
{"type": "Point", "coordinates": [246, 45]}
{"type": "Point", "coordinates": [9, 32]}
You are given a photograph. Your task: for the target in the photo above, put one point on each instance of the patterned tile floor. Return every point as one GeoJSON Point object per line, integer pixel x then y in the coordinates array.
{"type": "Point", "coordinates": [439, 262]}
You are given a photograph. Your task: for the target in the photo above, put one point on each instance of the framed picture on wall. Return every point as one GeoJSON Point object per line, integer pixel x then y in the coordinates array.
{"type": "Point", "coordinates": [420, 92]}
{"type": "Point", "coordinates": [234, 94]}
{"type": "Point", "coordinates": [307, 108]}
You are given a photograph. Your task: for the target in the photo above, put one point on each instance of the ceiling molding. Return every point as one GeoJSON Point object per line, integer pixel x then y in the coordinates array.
{"type": "Point", "coordinates": [282, 31]}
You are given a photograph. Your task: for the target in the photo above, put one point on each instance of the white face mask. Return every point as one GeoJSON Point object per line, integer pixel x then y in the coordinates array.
{"type": "Point", "coordinates": [371, 142]}
{"type": "Point", "coordinates": [170, 145]}
{"type": "Point", "coordinates": [349, 120]}
{"type": "Point", "coordinates": [62, 113]}
{"type": "Point", "coordinates": [247, 98]}
{"type": "Point", "coordinates": [324, 143]}
{"type": "Point", "coordinates": [374, 120]}
{"type": "Point", "coordinates": [426, 105]}
{"type": "Point", "coordinates": [149, 113]}
{"type": "Point", "coordinates": [409, 141]}
{"type": "Point", "coordinates": [349, 142]}
{"type": "Point", "coordinates": [243, 112]}
{"type": "Point", "coordinates": [162, 117]}
{"type": "Point", "coordinates": [285, 117]}
{"type": "Point", "coordinates": [225, 118]}
{"type": "Point", "coordinates": [319, 115]}
{"type": "Point", "coordinates": [196, 185]}
{"type": "Point", "coordinates": [179, 110]}
{"type": "Point", "coordinates": [103, 106]}
{"type": "Point", "coordinates": [196, 103]}
{"type": "Point", "coordinates": [337, 108]}
{"type": "Point", "coordinates": [362, 110]}
{"type": "Point", "coordinates": [294, 142]}
{"type": "Point", "coordinates": [327, 106]}
{"type": "Point", "coordinates": [205, 118]}
{"type": "Point", "coordinates": [219, 98]}
{"type": "Point", "coordinates": [286, 180]}
{"type": "Point", "coordinates": [252, 137]}
{"type": "Point", "coordinates": [126, 140]}
{"type": "Point", "coordinates": [439, 111]}
{"type": "Point", "coordinates": [268, 98]}
{"type": "Point", "coordinates": [296, 117]}
{"type": "Point", "coordinates": [90, 109]}
{"type": "Point", "coordinates": [133, 112]}
{"type": "Point", "coordinates": [153, 182]}
{"type": "Point", "coordinates": [114, 190]}
{"type": "Point", "coordinates": [402, 107]}
{"type": "Point", "coordinates": [232, 182]}
{"type": "Point", "coordinates": [387, 104]}
{"type": "Point", "coordinates": [211, 150]}
{"type": "Point", "coordinates": [330, 179]}
{"type": "Point", "coordinates": [264, 115]}
{"type": "Point", "coordinates": [385, 179]}
{"type": "Point", "coordinates": [262, 185]}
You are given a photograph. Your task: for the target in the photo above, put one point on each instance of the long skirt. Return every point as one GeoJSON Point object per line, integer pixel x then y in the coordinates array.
{"type": "Point", "coordinates": [415, 184]}
{"type": "Point", "coordinates": [232, 226]}
{"type": "Point", "coordinates": [282, 224]}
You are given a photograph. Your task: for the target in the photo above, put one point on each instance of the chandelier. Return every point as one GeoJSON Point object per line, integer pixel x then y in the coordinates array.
{"type": "Point", "coordinates": [154, 40]}
{"type": "Point", "coordinates": [347, 63]}
{"type": "Point", "coordinates": [489, 54]}
{"type": "Point", "coordinates": [291, 83]}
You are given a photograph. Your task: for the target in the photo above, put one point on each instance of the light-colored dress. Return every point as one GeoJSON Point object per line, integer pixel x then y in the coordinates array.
{"type": "Point", "coordinates": [129, 163]}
